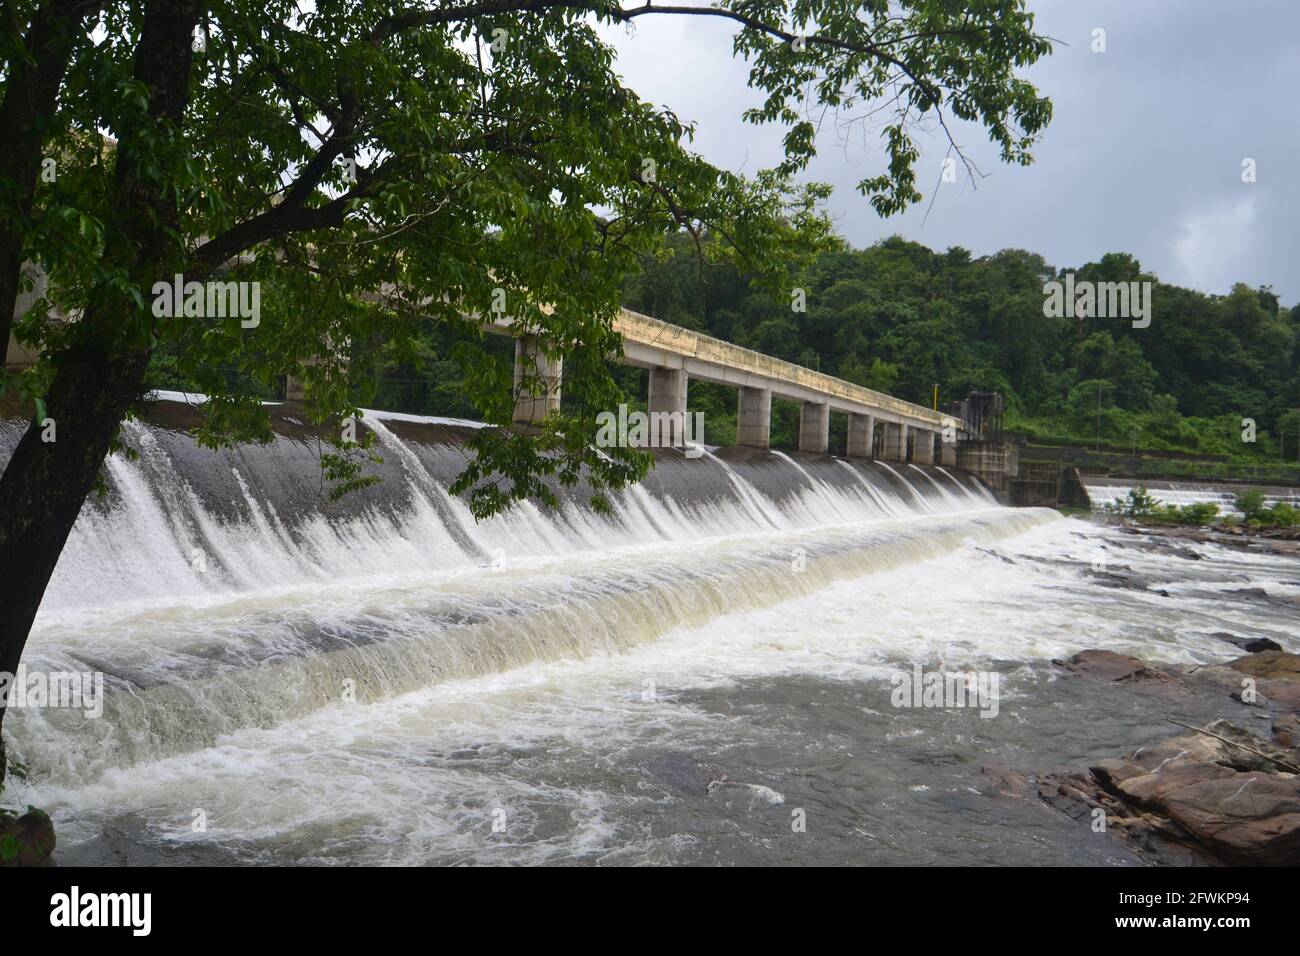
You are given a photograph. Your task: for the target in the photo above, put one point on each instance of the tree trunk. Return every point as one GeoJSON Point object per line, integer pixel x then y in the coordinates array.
{"type": "Point", "coordinates": [97, 378]}
{"type": "Point", "coordinates": [31, 92]}
{"type": "Point", "coordinates": [46, 483]}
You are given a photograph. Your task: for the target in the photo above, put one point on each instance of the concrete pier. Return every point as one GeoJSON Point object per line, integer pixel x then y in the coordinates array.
{"type": "Point", "coordinates": [815, 428]}
{"type": "Point", "coordinates": [862, 430]}
{"type": "Point", "coordinates": [922, 447]}
{"type": "Point", "coordinates": [666, 403]}
{"type": "Point", "coordinates": [534, 400]}
{"type": "Point", "coordinates": [754, 417]}
{"type": "Point", "coordinates": [895, 445]}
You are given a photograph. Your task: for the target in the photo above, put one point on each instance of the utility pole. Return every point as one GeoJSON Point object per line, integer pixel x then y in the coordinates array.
{"type": "Point", "coordinates": [936, 396]}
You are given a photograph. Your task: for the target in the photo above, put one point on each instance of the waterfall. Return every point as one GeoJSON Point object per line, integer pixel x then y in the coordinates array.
{"type": "Point", "coordinates": [221, 590]}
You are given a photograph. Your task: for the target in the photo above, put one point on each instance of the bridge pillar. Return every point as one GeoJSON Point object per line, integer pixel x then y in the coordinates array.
{"type": "Point", "coordinates": [18, 356]}
{"type": "Point", "coordinates": [666, 403]}
{"type": "Point", "coordinates": [922, 446]}
{"type": "Point", "coordinates": [754, 417]}
{"type": "Point", "coordinates": [948, 453]}
{"type": "Point", "coordinates": [531, 361]}
{"type": "Point", "coordinates": [862, 429]}
{"type": "Point", "coordinates": [815, 428]}
{"type": "Point", "coordinates": [895, 444]}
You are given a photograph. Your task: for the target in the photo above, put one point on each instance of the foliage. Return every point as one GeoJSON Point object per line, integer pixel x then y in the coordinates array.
{"type": "Point", "coordinates": [1250, 503]}
{"type": "Point", "coordinates": [1255, 512]}
{"type": "Point", "coordinates": [1200, 513]}
{"type": "Point", "coordinates": [900, 317]}
{"type": "Point", "coordinates": [381, 167]}
{"type": "Point", "coordinates": [1138, 503]}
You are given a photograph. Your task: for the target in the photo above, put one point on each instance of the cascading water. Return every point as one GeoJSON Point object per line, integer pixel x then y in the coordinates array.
{"type": "Point", "coordinates": [328, 678]}
{"type": "Point", "coordinates": [1106, 492]}
{"type": "Point", "coordinates": [216, 605]}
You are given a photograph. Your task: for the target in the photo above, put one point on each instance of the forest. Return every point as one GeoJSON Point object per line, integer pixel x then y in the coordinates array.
{"type": "Point", "coordinates": [904, 319]}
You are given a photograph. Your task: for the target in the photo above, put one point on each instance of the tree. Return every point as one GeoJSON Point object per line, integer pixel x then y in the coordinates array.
{"type": "Point", "coordinates": [373, 162]}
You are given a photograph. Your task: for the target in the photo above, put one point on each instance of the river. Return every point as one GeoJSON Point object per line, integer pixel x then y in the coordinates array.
{"type": "Point", "coordinates": [707, 676]}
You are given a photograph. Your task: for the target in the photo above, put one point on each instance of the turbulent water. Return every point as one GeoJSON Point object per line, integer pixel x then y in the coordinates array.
{"type": "Point", "coordinates": [703, 676]}
{"type": "Point", "coordinates": [1104, 491]}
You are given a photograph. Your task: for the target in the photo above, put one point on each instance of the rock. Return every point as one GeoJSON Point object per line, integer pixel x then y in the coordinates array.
{"type": "Point", "coordinates": [1273, 665]}
{"type": "Point", "coordinates": [1243, 817]}
{"type": "Point", "coordinates": [1281, 694]}
{"type": "Point", "coordinates": [1200, 747]}
{"type": "Point", "coordinates": [1276, 676]}
{"type": "Point", "coordinates": [1112, 771]}
{"type": "Point", "coordinates": [1251, 645]}
{"type": "Point", "coordinates": [26, 840]}
{"type": "Point", "coordinates": [1131, 582]}
{"type": "Point", "coordinates": [1006, 781]}
{"type": "Point", "coordinates": [1222, 796]}
{"type": "Point", "coordinates": [685, 774]}
{"type": "Point", "coordinates": [1286, 733]}
{"type": "Point", "coordinates": [1112, 667]}
{"type": "Point", "coordinates": [1152, 790]}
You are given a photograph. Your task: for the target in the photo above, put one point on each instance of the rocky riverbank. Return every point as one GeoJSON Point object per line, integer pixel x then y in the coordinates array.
{"type": "Point", "coordinates": [1220, 794]}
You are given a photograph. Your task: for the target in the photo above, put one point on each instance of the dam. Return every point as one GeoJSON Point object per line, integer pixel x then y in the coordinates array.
{"type": "Point", "coordinates": [382, 679]}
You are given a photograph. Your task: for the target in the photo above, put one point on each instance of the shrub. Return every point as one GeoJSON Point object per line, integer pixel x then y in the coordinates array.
{"type": "Point", "coordinates": [1138, 503]}
{"type": "Point", "coordinates": [1250, 504]}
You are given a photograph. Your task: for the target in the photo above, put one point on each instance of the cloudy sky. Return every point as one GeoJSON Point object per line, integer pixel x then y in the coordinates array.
{"type": "Point", "coordinates": [1144, 153]}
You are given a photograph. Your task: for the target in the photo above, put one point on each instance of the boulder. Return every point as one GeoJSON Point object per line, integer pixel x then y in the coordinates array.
{"type": "Point", "coordinates": [1272, 665]}
{"type": "Point", "coordinates": [1251, 645]}
{"type": "Point", "coordinates": [1241, 817]}
{"type": "Point", "coordinates": [1286, 733]}
{"type": "Point", "coordinates": [26, 840]}
{"type": "Point", "coordinates": [1112, 667]}
{"type": "Point", "coordinates": [1151, 790]}
{"type": "Point", "coordinates": [1276, 675]}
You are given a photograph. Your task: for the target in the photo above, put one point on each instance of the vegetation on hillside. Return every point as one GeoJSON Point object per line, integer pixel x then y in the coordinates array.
{"type": "Point", "coordinates": [902, 318]}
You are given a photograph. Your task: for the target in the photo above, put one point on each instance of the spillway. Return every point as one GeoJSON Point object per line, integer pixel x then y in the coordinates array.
{"type": "Point", "coordinates": [370, 680]}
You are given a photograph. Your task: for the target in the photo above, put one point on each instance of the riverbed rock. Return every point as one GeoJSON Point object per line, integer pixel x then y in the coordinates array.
{"type": "Point", "coordinates": [1226, 795]}
{"type": "Point", "coordinates": [1005, 781]}
{"type": "Point", "coordinates": [1116, 668]}
{"type": "Point", "coordinates": [1241, 817]}
{"type": "Point", "coordinates": [1286, 733]}
{"type": "Point", "coordinates": [1276, 677]}
{"type": "Point", "coordinates": [26, 840]}
{"type": "Point", "coordinates": [1251, 645]}
{"type": "Point", "coordinates": [1273, 665]}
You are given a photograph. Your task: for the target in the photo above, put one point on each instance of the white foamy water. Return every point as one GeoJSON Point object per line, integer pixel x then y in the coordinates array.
{"type": "Point", "coordinates": [388, 684]}
{"type": "Point", "coordinates": [1179, 494]}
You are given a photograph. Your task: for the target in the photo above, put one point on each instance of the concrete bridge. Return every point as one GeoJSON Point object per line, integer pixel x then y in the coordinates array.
{"type": "Point", "coordinates": [879, 425]}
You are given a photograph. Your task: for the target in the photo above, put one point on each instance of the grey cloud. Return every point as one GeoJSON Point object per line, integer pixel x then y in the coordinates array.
{"type": "Point", "coordinates": [1143, 155]}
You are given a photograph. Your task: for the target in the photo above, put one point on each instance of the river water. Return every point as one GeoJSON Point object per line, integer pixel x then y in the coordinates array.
{"type": "Point", "coordinates": [705, 677]}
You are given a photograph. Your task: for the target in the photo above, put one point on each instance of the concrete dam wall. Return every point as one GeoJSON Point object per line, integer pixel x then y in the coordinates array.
{"type": "Point", "coordinates": [219, 590]}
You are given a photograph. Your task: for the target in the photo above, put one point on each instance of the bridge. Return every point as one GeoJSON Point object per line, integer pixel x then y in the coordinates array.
{"type": "Point", "coordinates": [880, 426]}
